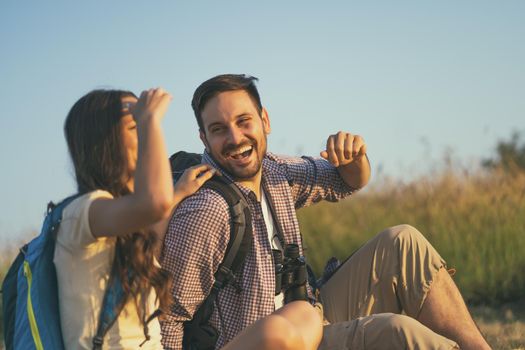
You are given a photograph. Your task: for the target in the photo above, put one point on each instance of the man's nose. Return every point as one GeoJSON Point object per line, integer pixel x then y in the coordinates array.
{"type": "Point", "coordinates": [235, 135]}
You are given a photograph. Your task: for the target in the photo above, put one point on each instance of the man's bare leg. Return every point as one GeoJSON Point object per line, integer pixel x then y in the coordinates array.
{"type": "Point", "coordinates": [445, 312]}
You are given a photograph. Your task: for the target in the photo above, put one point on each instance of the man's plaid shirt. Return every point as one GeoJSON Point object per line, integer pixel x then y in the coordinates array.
{"type": "Point", "coordinates": [199, 231]}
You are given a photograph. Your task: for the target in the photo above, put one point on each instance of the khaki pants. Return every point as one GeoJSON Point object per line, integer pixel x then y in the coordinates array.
{"type": "Point", "coordinates": [390, 274]}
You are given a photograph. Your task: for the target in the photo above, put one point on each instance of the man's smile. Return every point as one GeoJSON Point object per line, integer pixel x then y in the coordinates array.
{"type": "Point", "coordinates": [239, 154]}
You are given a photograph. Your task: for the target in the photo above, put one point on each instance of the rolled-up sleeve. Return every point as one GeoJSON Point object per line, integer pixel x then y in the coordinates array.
{"type": "Point", "coordinates": [313, 180]}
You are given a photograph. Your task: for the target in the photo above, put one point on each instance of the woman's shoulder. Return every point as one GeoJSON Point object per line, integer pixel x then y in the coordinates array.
{"type": "Point", "coordinates": [77, 206]}
{"type": "Point", "coordinates": [74, 228]}
{"type": "Point", "coordinates": [96, 194]}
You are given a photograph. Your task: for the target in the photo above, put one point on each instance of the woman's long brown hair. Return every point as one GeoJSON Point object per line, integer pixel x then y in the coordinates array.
{"type": "Point", "coordinates": [93, 135]}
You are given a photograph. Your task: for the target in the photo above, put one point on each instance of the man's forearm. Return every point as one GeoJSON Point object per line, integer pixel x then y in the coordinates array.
{"type": "Point", "coordinates": [357, 173]}
{"type": "Point", "coordinates": [172, 332]}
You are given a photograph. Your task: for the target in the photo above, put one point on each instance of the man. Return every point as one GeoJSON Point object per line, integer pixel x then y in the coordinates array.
{"type": "Point", "coordinates": [397, 271]}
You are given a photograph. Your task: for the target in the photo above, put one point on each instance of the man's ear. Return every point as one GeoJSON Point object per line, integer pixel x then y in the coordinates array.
{"type": "Point", "coordinates": [266, 121]}
{"type": "Point", "coordinates": [202, 136]}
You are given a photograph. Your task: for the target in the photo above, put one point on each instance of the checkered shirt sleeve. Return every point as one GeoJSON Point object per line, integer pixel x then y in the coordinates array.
{"type": "Point", "coordinates": [312, 180]}
{"type": "Point", "coordinates": [194, 246]}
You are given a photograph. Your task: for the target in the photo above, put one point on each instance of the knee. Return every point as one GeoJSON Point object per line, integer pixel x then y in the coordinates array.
{"type": "Point", "coordinates": [280, 333]}
{"type": "Point", "coordinates": [400, 324]}
{"type": "Point", "coordinates": [407, 332]}
{"type": "Point", "coordinates": [305, 324]}
{"type": "Point", "coordinates": [303, 311]}
{"type": "Point", "coordinates": [397, 327]}
{"type": "Point", "coordinates": [401, 234]}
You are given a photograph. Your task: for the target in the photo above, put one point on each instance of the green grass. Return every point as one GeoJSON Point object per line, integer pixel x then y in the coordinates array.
{"type": "Point", "coordinates": [476, 222]}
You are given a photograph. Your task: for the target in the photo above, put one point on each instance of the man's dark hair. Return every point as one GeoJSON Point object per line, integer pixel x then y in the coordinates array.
{"type": "Point", "coordinates": [221, 83]}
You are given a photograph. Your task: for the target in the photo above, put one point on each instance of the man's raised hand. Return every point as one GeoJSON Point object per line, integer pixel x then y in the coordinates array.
{"type": "Point", "coordinates": [343, 148]}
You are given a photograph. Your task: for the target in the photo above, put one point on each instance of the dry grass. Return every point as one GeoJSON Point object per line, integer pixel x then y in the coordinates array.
{"type": "Point", "coordinates": [503, 327]}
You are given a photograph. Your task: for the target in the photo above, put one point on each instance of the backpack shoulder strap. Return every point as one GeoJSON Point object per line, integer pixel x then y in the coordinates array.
{"type": "Point", "coordinates": [241, 234]}
{"type": "Point", "coordinates": [54, 213]}
{"type": "Point", "coordinates": [198, 333]}
{"type": "Point", "coordinates": [112, 305]}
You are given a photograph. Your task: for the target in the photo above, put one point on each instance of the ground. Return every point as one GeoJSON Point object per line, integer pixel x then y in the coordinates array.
{"type": "Point", "coordinates": [503, 326]}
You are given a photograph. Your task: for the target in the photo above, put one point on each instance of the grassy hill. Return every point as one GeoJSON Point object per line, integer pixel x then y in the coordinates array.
{"type": "Point", "coordinates": [475, 221]}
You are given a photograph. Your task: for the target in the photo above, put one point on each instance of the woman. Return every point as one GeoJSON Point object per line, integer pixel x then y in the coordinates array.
{"type": "Point", "coordinates": [122, 171]}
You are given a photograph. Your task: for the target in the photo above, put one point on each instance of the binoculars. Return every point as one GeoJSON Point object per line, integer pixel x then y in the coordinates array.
{"type": "Point", "coordinates": [290, 273]}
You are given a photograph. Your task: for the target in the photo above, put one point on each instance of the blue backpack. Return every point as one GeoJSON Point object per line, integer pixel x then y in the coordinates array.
{"type": "Point", "coordinates": [30, 294]}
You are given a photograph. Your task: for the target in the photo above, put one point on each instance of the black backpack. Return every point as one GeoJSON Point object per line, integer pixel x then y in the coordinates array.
{"type": "Point", "coordinates": [199, 334]}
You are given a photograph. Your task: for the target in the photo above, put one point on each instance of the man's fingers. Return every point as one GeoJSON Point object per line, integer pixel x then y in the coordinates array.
{"type": "Point", "coordinates": [362, 151]}
{"type": "Point", "coordinates": [339, 146]}
{"type": "Point", "coordinates": [348, 146]}
{"type": "Point", "coordinates": [332, 157]}
{"type": "Point", "coordinates": [342, 148]}
{"type": "Point", "coordinates": [359, 146]}
{"type": "Point", "coordinates": [357, 142]}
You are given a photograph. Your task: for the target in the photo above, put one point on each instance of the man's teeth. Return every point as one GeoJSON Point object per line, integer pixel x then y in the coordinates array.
{"type": "Point", "coordinates": [240, 151]}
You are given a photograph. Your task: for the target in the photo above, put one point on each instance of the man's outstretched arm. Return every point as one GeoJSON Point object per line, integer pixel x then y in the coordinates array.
{"type": "Point", "coordinates": [347, 152]}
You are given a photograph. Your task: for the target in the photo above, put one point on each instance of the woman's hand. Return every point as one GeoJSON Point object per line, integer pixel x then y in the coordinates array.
{"type": "Point", "coordinates": [152, 103]}
{"type": "Point", "coordinates": [192, 179]}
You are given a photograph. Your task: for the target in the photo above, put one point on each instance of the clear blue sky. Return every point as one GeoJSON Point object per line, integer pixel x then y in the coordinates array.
{"type": "Point", "coordinates": [414, 78]}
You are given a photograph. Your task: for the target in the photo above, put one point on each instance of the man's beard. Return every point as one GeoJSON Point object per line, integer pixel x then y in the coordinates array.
{"type": "Point", "coordinates": [241, 173]}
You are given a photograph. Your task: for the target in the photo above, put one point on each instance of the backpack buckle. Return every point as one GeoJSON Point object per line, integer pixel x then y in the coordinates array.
{"type": "Point", "coordinates": [223, 276]}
